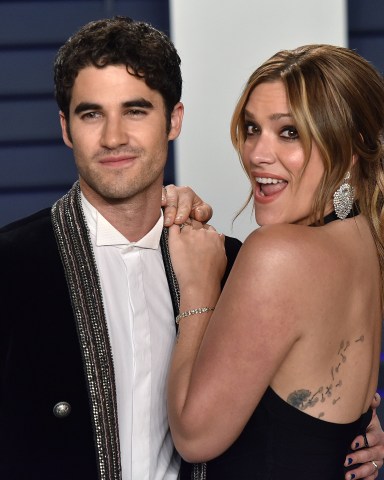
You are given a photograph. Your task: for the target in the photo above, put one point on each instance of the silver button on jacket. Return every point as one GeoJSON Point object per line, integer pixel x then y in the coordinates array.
{"type": "Point", "coordinates": [62, 409]}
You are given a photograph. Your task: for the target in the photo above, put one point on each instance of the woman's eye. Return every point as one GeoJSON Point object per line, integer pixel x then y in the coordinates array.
{"type": "Point", "coordinates": [290, 133]}
{"type": "Point", "coordinates": [251, 129]}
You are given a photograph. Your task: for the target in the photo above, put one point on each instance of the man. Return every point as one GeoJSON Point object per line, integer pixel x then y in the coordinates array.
{"type": "Point", "coordinates": [88, 294]}
{"type": "Point", "coordinates": [89, 297]}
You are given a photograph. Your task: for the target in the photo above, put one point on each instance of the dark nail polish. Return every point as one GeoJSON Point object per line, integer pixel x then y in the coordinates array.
{"type": "Point", "coordinates": [353, 476]}
{"type": "Point", "coordinates": [349, 461]}
{"type": "Point", "coordinates": [357, 445]}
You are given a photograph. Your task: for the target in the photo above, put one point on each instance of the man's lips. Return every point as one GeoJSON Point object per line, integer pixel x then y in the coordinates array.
{"type": "Point", "coordinates": [118, 161]}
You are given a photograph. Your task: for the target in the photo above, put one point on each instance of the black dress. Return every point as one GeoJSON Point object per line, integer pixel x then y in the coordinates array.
{"type": "Point", "coordinates": [282, 442]}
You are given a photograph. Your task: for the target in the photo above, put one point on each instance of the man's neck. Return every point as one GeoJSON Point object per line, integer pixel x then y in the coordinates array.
{"type": "Point", "coordinates": [133, 218]}
{"type": "Point", "coordinates": [134, 223]}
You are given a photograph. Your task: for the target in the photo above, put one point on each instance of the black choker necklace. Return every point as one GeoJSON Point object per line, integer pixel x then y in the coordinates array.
{"type": "Point", "coordinates": [332, 216]}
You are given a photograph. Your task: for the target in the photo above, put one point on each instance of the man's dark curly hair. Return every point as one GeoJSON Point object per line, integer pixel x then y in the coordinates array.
{"type": "Point", "coordinates": [145, 51]}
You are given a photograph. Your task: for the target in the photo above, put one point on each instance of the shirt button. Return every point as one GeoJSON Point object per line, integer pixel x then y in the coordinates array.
{"type": "Point", "coordinates": [62, 409]}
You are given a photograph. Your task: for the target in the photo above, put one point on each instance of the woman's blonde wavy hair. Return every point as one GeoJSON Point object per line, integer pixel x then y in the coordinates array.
{"type": "Point", "coordinates": [336, 98]}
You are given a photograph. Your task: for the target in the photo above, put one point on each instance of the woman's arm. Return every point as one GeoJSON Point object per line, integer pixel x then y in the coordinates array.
{"type": "Point", "coordinates": [222, 367]}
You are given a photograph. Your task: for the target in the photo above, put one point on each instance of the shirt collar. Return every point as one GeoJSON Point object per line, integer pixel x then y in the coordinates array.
{"type": "Point", "coordinates": [106, 234]}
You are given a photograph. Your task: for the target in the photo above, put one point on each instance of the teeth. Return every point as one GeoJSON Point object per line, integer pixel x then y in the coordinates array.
{"type": "Point", "coordinates": [265, 180]}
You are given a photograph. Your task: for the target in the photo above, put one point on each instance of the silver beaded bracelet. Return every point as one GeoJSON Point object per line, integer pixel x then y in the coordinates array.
{"type": "Point", "coordinates": [194, 311]}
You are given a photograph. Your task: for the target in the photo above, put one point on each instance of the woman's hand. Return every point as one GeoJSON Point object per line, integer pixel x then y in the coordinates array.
{"type": "Point", "coordinates": [368, 456]}
{"type": "Point", "coordinates": [199, 261]}
{"type": "Point", "coordinates": [181, 203]}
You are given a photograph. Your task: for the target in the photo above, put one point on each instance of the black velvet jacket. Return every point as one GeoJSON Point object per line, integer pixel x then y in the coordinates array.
{"type": "Point", "coordinates": [42, 361]}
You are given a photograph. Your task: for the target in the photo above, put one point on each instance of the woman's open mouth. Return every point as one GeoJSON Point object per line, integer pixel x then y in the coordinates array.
{"type": "Point", "coordinates": [270, 186]}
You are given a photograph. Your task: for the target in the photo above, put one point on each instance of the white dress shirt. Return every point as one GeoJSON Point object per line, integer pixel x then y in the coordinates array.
{"type": "Point", "coordinates": [142, 331]}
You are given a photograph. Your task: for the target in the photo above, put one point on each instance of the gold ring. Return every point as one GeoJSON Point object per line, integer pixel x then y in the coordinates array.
{"type": "Point", "coordinates": [375, 465]}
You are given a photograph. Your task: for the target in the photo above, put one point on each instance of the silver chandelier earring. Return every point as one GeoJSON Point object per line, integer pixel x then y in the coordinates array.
{"type": "Point", "coordinates": [343, 198]}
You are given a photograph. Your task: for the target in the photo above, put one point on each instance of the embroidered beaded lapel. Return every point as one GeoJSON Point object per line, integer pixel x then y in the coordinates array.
{"type": "Point", "coordinates": [170, 274]}
{"type": "Point", "coordinates": [76, 253]}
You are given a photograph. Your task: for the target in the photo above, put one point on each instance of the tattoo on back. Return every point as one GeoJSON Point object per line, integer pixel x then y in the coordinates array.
{"type": "Point", "coordinates": [303, 398]}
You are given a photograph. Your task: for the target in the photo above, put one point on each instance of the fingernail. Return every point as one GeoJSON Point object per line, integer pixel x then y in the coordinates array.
{"type": "Point", "coordinates": [179, 217]}
{"type": "Point", "coordinates": [167, 221]}
{"type": "Point", "coordinates": [357, 445]}
{"type": "Point", "coordinates": [352, 476]}
{"type": "Point", "coordinates": [349, 461]}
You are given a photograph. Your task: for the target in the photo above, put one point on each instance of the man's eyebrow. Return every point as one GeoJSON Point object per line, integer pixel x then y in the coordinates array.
{"type": "Point", "coordinates": [136, 102]}
{"type": "Point", "coordinates": [84, 106]}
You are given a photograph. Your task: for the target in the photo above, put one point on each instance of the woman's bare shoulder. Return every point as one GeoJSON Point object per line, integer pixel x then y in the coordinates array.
{"type": "Point", "coordinates": [292, 251]}
{"type": "Point", "coordinates": [285, 239]}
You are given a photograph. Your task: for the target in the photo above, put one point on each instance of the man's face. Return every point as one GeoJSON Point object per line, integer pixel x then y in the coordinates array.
{"type": "Point", "coordinates": [118, 133]}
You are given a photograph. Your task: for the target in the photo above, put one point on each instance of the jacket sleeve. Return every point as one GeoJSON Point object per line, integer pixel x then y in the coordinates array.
{"type": "Point", "coordinates": [232, 247]}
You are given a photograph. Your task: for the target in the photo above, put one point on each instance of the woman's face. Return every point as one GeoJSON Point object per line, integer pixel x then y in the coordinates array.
{"type": "Point", "coordinates": [274, 158]}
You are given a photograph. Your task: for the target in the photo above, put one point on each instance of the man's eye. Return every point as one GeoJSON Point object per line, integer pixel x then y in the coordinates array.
{"type": "Point", "coordinates": [91, 115]}
{"type": "Point", "coordinates": [134, 112]}
{"type": "Point", "coordinates": [290, 133]}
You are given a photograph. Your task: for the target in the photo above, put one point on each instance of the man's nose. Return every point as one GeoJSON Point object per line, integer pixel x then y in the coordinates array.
{"type": "Point", "coordinates": [114, 133]}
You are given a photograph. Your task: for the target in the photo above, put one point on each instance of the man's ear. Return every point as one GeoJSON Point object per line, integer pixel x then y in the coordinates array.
{"type": "Point", "coordinates": [65, 132]}
{"type": "Point", "coordinates": [176, 121]}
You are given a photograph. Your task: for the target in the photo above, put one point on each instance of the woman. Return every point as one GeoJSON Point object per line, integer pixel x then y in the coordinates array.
{"type": "Point", "coordinates": [276, 380]}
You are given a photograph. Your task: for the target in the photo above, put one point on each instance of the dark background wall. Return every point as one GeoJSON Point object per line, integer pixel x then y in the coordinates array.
{"type": "Point", "coordinates": [366, 30]}
{"type": "Point", "coordinates": [35, 166]}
